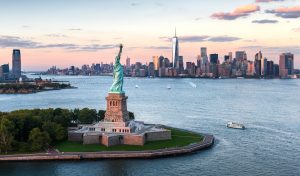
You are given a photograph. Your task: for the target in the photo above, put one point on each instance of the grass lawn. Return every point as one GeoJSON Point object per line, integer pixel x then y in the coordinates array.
{"type": "Point", "coordinates": [179, 139]}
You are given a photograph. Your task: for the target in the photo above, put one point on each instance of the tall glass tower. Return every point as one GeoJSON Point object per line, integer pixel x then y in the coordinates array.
{"type": "Point", "coordinates": [175, 53]}
{"type": "Point", "coordinates": [16, 63]}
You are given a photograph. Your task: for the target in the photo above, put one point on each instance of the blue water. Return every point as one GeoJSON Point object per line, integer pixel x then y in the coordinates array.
{"type": "Point", "coordinates": [269, 108]}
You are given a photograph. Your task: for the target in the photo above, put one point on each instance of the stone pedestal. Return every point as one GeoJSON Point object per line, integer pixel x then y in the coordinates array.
{"type": "Point", "coordinates": [116, 108]}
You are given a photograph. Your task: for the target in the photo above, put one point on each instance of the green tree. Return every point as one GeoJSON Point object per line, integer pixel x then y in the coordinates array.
{"type": "Point", "coordinates": [101, 115]}
{"type": "Point", "coordinates": [60, 133]}
{"type": "Point", "coordinates": [38, 139]}
{"type": "Point", "coordinates": [6, 134]}
{"type": "Point", "coordinates": [87, 116]}
{"type": "Point", "coordinates": [56, 131]}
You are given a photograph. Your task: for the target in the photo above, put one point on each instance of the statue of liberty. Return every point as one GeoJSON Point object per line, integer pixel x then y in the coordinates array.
{"type": "Point", "coordinates": [117, 86]}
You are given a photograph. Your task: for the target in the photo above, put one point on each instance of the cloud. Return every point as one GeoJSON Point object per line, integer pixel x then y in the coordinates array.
{"type": "Point", "coordinates": [202, 38]}
{"type": "Point", "coordinates": [241, 11]}
{"type": "Point", "coordinates": [17, 42]}
{"type": "Point", "coordinates": [259, 1]}
{"type": "Point", "coordinates": [134, 4]}
{"type": "Point", "coordinates": [195, 38]}
{"type": "Point", "coordinates": [75, 29]}
{"type": "Point", "coordinates": [95, 47]}
{"type": "Point", "coordinates": [56, 35]}
{"type": "Point", "coordinates": [11, 41]}
{"type": "Point", "coordinates": [265, 21]}
{"type": "Point", "coordinates": [286, 12]}
{"type": "Point", "coordinates": [223, 39]}
{"type": "Point", "coordinates": [253, 40]}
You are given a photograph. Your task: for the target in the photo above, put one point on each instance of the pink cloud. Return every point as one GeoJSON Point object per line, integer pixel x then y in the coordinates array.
{"type": "Point", "coordinates": [286, 12]}
{"type": "Point", "coordinates": [241, 11]}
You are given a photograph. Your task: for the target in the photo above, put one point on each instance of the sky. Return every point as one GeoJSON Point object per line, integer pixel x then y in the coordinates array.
{"type": "Point", "coordinates": [75, 32]}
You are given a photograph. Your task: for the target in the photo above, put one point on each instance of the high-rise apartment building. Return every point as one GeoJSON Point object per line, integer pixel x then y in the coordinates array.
{"type": "Point", "coordinates": [128, 62]}
{"type": "Point", "coordinates": [16, 63]}
{"type": "Point", "coordinates": [286, 64]}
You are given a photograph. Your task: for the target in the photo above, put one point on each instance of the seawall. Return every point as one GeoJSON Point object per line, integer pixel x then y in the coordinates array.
{"type": "Point", "coordinates": [207, 142]}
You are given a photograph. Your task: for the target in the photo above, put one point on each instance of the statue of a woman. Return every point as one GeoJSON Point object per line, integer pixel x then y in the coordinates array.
{"type": "Point", "coordinates": [117, 86]}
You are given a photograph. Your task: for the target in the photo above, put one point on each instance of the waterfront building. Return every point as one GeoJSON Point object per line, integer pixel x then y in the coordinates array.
{"type": "Point", "coordinates": [190, 68]}
{"type": "Point", "coordinates": [226, 58]}
{"type": "Point", "coordinates": [151, 72]}
{"type": "Point", "coordinates": [276, 70]}
{"type": "Point", "coordinates": [240, 55]}
{"type": "Point", "coordinates": [270, 69]}
{"type": "Point", "coordinates": [204, 59]}
{"type": "Point", "coordinates": [16, 63]}
{"type": "Point", "coordinates": [224, 70]}
{"type": "Point", "coordinates": [180, 67]}
{"type": "Point", "coordinates": [127, 62]}
{"type": "Point", "coordinates": [165, 63]}
{"type": "Point", "coordinates": [286, 64]}
{"type": "Point", "coordinates": [214, 58]}
{"type": "Point", "coordinates": [257, 63]}
{"type": "Point", "coordinates": [161, 61]}
{"type": "Point", "coordinates": [264, 68]}
{"type": "Point", "coordinates": [250, 68]}
{"type": "Point", "coordinates": [175, 50]}
{"type": "Point", "coordinates": [1, 73]}
{"type": "Point", "coordinates": [156, 63]}
{"type": "Point", "coordinates": [199, 61]}
{"type": "Point", "coordinates": [4, 72]}
{"type": "Point", "coordinates": [230, 56]}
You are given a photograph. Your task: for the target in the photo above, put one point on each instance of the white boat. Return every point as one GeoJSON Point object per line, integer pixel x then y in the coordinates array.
{"type": "Point", "coordinates": [235, 125]}
{"type": "Point", "coordinates": [136, 86]}
{"type": "Point", "coordinates": [193, 85]}
{"type": "Point", "coordinates": [169, 87]}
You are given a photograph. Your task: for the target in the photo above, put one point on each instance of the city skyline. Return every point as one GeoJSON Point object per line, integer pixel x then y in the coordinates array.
{"type": "Point", "coordinates": [83, 32]}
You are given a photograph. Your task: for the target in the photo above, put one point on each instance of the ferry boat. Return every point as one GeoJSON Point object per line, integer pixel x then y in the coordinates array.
{"type": "Point", "coordinates": [235, 125]}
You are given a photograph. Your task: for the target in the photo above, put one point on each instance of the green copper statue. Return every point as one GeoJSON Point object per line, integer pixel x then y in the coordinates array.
{"type": "Point", "coordinates": [117, 86]}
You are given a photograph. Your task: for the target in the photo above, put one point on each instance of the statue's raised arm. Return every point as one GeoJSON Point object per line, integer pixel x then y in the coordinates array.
{"type": "Point", "coordinates": [117, 86]}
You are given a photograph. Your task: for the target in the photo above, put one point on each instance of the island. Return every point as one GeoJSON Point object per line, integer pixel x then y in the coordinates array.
{"type": "Point", "coordinates": [42, 134]}
{"type": "Point", "coordinates": [62, 134]}
{"type": "Point", "coordinates": [34, 86]}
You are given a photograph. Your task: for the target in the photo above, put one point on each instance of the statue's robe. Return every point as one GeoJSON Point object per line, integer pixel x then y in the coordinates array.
{"type": "Point", "coordinates": [117, 86]}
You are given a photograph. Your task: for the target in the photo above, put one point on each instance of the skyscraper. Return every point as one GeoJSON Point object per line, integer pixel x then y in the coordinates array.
{"type": "Point", "coordinates": [257, 63]}
{"type": "Point", "coordinates": [203, 51]}
{"type": "Point", "coordinates": [204, 59]}
{"type": "Point", "coordinates": [240, 55]}
{"type": "Point", "coordinates": [16, 63]}
{"type": "Point", "coordinates": [180, 65]}
{"type": "Point", "coordinates": [214, 58]}
{"type": "Point", "coordinates": [230, 56]}
{"type": "Point", "coordinates": [175, 52]}
{"type": "Point", "coordinates": [286, 64]}
{"type": "Point", "coordinates": [264, 68]}
{"type": "Point", "coordinates": [127, 62]}
{"type": "Point", "coordinates": [156, 63]}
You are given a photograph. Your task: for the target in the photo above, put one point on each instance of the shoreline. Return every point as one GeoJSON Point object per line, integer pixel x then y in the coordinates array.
{"type": "Point", "coordinates": [206, 143]}
{"type": "Point", "coordinates": [182, 77]}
